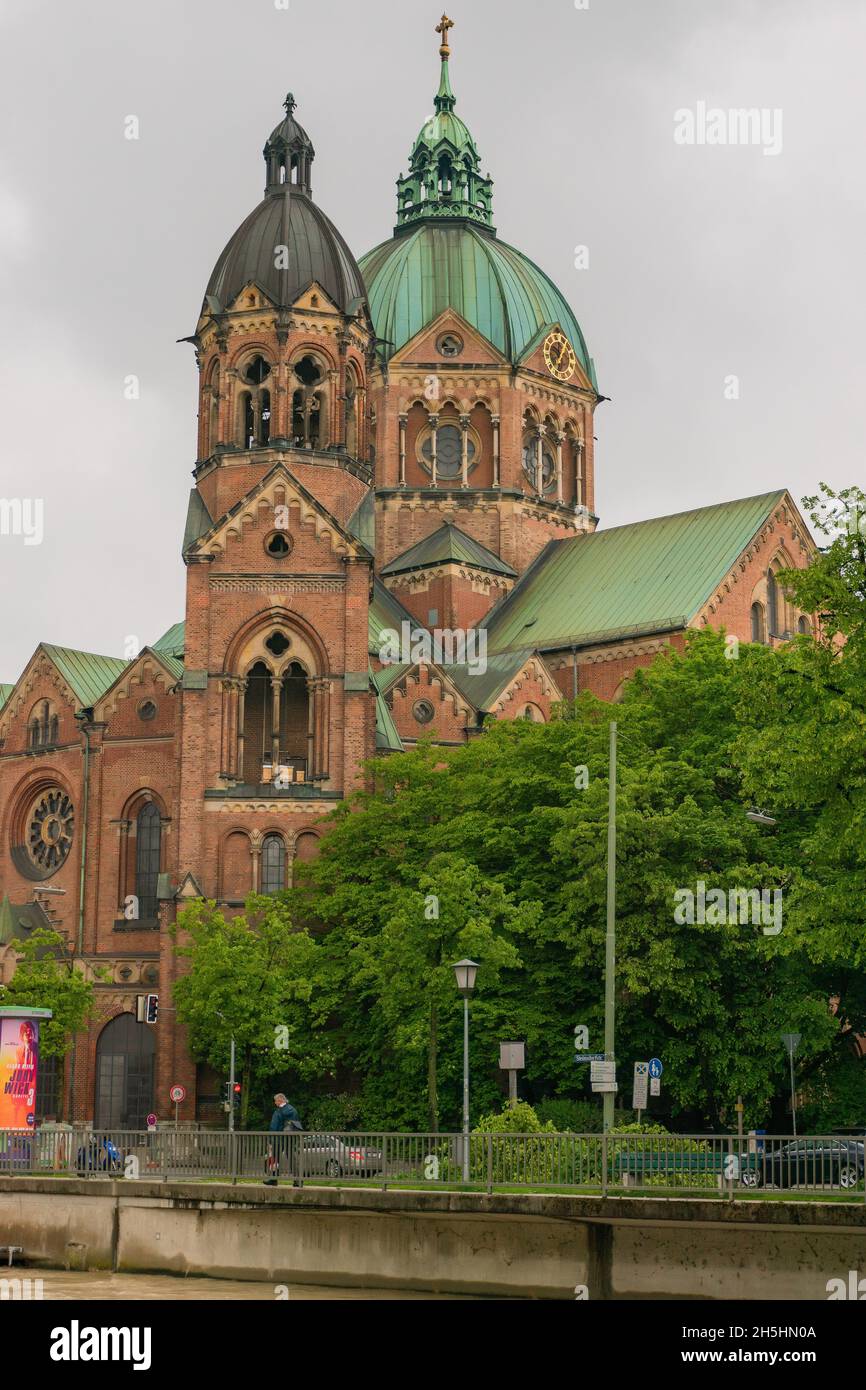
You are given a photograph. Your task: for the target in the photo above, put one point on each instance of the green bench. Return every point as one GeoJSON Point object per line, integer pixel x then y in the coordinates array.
{"type": "Point", "coordinates": [638, 1164]}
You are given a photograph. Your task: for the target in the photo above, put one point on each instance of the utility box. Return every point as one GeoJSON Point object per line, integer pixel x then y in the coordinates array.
{"type": "Point", "coordinates": [512, 1056]}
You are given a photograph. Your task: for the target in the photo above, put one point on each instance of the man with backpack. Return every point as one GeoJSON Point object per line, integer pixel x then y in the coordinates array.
{"type": "Point", "coordinates": [285, 1121]}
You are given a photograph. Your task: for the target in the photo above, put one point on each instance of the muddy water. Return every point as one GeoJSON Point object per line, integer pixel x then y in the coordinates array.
{"type": "Point", "coordinates": [59, 1285]}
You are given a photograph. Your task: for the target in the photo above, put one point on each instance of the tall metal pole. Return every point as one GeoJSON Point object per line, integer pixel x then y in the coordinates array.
{"type": "Point", "coordinates": [232, 1089]}
{"type": "Point", "coordinates": [465, 1088]}
{"type": "Point", "coordinates": [793, 1093]}
{"type": "Point", "coordinates": [610, 938]}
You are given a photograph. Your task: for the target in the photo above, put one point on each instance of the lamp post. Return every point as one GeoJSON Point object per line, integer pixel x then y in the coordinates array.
{"type": "Point", "coordinates": [610, 934]}
{"type": "Point", "coordinates": [465, 972]}
{"type": "Point", "coordinates": [792, 1042]}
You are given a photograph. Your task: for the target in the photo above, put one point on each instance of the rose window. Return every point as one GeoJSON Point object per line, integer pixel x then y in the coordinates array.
{"type": "Point", "coordinates": [49, 830]}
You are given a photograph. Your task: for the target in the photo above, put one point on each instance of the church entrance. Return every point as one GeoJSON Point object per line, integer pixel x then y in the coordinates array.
{"type": "Point", "coordinates": [124, 1074]}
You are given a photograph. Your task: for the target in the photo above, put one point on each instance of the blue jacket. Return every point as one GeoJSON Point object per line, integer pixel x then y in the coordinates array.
{"type": "Point", "coordinates": [283, 1117]}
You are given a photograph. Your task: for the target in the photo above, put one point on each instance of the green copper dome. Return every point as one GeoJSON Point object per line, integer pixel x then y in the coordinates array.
{"type": "Point", "coordinates": [415, 277]}
{"type": "Point", "coordinates": [445, 253]}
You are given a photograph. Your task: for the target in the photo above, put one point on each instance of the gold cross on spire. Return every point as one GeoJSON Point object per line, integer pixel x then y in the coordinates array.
{"type": "Point", "coordinates": [442, 28]}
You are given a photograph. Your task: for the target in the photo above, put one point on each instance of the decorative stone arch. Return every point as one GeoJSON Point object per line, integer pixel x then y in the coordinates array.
{"type": "Point", "coordinates": [276, 703]}
{"type": "Point", "coordinates": [142, 827]}
{"type": "Point", "coordinates": [779, 611]}
{"type": "Point", "coordinates": [43, 724]}
{"type": "Point", "coordinates": [355, 408]}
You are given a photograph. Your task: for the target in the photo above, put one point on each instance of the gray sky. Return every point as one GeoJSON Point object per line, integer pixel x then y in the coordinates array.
{"type": "Point", "coordinates": [705, 261]}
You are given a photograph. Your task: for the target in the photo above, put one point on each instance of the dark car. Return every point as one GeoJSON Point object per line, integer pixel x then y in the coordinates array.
{"type": "Point", "coordinates": [806, 1163]}
{"type": "Point", "coordinates": [330, 1156]}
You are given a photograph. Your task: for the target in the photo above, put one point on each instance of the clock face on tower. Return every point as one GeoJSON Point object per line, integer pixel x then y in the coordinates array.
{"type": "Point", "coordinates": [559, 356]}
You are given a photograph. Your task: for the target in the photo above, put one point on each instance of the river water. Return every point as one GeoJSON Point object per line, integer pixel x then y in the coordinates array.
{"type": "Point", "coordinates": [61, 1284]}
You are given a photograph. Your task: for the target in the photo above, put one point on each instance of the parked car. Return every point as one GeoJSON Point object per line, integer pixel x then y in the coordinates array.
{"type": "Point", "coordinates": [99, 1155]}
{"type": "Point", "coordinates": [806, 1162]}
{"type": "Point", "coordinates": [329, 1156]}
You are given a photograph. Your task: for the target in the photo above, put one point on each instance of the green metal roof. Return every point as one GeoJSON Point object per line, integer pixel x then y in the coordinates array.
{"type": "Point", "coordinates": [653, 576]}
{"type": "Point", "coordinates": [362, 522]}
{"type": "Point", "coordinates": [198, 520]}
{"type": "Point", "coordinates": [387, 738]}
{"type": "Point", "coordinates": [482, 688]}
{"type": "Point", "coordinates": [5, 692]}
{"type": "Point", "coordinates": [448, 543]}
{"type": "Point", "coordinates": [416, 276]}
{"type": "Point", "coordinates": [386, 612]}
{"type": "Point", "coordinates": [87, 675]}
{"type": "Point", "coordinates": [171, 642]}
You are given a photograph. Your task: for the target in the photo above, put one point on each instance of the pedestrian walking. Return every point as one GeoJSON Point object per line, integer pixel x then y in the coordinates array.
{"type": "Point", "coordinates": [285, 1121]}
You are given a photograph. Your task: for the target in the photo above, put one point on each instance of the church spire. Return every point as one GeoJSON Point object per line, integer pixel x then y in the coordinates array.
{"type": "Point", "coordinates": [289, 154]}
{"type": "Point", "coordinates": [444, 179]}
{"type": "Point", "coordinates": [445, 99]}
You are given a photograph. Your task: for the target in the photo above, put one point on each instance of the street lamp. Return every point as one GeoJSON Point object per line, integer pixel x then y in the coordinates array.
{"type": "Point", "coordinates": [761, 817]}
{"type": "Point", "coordinates": [465, 972]}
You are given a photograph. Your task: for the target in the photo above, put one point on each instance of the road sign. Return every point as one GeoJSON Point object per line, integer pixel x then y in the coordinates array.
{"type": "Point", "coordinates": [602, 1075]}
{"type": "Point", "coordinates": [589, 1056]}
{"type": "Point", "coordinates": [639, 1088]}
{"type": "Point", "coordinates": [655, 1086]}
{"type": "Point", "coordinates": [178, 1093]}
{"type": "Point", "coordinates": [151, 1121]}
{"type": "Point", "coordinates": [792, 1042]}
{"type": "Point", "coordinates": [512, 1056]}
{"type": "Point", "coordinates": [655, 1067]}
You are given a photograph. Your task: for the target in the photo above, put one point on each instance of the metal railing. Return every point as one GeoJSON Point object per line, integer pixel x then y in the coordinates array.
{"type": "Point", "coordinates": [610, 1164]}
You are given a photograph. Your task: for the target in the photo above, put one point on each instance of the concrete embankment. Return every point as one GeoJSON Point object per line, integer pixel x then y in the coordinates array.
{"type": "Point", "coordinates": [520, 1244]}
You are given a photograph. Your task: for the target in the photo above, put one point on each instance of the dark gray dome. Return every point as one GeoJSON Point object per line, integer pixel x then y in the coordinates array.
{"type": "Point", "coordinates": [288, 217]}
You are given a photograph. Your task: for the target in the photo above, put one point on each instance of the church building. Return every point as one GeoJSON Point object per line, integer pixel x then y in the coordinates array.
{"type": "Point", "coordinates": [392, 534]}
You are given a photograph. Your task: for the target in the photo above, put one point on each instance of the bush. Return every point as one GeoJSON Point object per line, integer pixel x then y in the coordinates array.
{"type": "Point", "coordinates": [334, 1114]}
{"type": "Point", "coordinates": [571, 1116]}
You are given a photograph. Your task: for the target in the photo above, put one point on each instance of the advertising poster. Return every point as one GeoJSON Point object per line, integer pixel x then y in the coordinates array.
{"type": "Point", "coordinates": [19, 1057]}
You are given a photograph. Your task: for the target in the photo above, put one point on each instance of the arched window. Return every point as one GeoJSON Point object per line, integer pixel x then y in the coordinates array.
{"type": "Point", "coordinates": [758, 623]}
{"type": "Point", "coordinates": [804, 627]}
{"type": "Point", "coordinates": [124, 1074]}
{"type": "Point", "coordinates": [264, 417]}
{"type": "Point", "coordinates": [147, 854]}
{"type": "Point", "coordinates": [247, 421]}
{"type": "Point", "coordinates": [273, 865]}
{"type": "Point", "coordinates": [307, 424]}
{"type": "Point", "coordinates": [43, 729]}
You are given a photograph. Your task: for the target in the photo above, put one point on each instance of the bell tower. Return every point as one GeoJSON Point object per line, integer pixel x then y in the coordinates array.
{"type": "Point", "coordinates": [277, 712]}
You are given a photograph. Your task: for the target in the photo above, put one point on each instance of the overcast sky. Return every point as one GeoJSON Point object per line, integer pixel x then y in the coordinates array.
{"type": "Point", "coordinates": [705, 261]}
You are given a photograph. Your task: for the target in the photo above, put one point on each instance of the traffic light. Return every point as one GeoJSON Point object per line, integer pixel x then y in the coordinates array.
{"type": "Point", "coordinates": [151, 1008]}
{"type": "Point", "coordinates": [233, 1095]}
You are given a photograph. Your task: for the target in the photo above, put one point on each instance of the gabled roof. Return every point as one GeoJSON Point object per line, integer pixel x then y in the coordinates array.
{"type": "Point", "coordinates": [171, 643]}
{"type": "Point", "coordinates": [387, 737]}
{"type": "Point", "coordinates": [481, 688]}
{"type": "Point", "coordinates": [386, 612]}
{"type": "Point", "coordinates": [652, 576]}
{"type": "Point", "coordinates": [198, 520]}
{"type": "Point", "coordinates": [362, 522]}
{"type": "Point", "coordinates": [87, 675]}
{"type": "Point", "coordinates": [18, 921]}
{"type": "Point", "coordinates": [448, 543]}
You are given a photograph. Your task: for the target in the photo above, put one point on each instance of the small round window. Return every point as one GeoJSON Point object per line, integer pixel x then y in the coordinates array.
{"type": "Point", "coordinates": [147, 710]}
{"type": "Point", "coordinates": [449, 345]}
{"type": "Point", "coordinates": [422, 711]}
{"type": "Point", "coordinates": [278, 544]}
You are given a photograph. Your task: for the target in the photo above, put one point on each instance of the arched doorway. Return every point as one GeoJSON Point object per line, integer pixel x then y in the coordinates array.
{"type": "Point", "coordinates": [124, 1074]}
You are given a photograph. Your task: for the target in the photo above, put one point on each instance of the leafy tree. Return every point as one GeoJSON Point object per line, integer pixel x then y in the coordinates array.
{"type": "Point", "coordinates": [46, 977]}
{"type": "Point", "coordinates": [251, 977]}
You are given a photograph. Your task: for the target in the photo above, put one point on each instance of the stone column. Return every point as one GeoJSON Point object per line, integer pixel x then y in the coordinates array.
{"type": "Point", "coordinates": [276, 689]}
{"type": "Point", "coordinates": [404, 420]}
{"type": "Point", "coordinates": [464, 450]}
{"type": "Point", "coordinates": [578, 472]}
{"type": "Point", "coordinates": [559, 439]}
{"type": "Point", "coordinates": [496, 451]}
{"type": "Point", "coordinates": [242, 692]}
{"type": "Point", "coordinates": [539, 461]}
{"type": "Point", "coordinates": [434, 425]}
